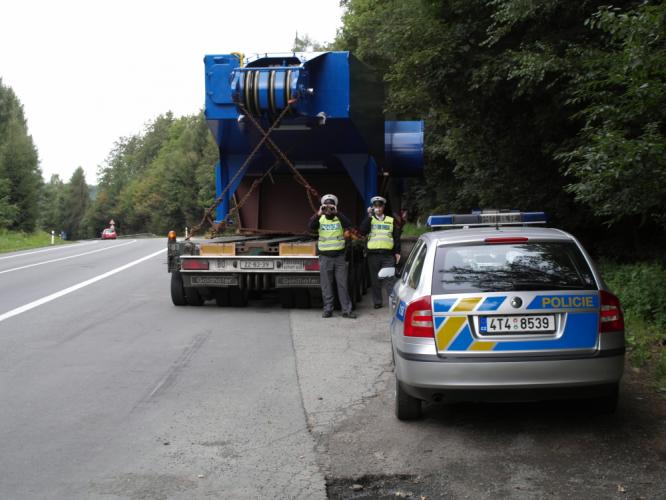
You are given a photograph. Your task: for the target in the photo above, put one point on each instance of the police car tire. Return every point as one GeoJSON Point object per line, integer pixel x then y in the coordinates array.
{"type": "Point", "coordinates": [177, 289]}
{"type": "Point", "coordinates": [193, 296]}
{"type": "Point", "coordinates": [406, 406]}
{"type": "Point", "coordinates": [608, 404]}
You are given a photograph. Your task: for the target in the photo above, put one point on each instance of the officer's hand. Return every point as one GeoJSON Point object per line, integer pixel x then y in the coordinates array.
{"type": "Point", "coordinates": [397, 258]}
{"type": "Point", "coordinates": [370, 211]}
{"type": "Point", "coordinates": [320, 212]}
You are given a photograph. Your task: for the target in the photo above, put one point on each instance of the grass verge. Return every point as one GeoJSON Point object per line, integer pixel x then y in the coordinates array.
{"type": "Point", "coordinates": [17, 240]}
{"type": "Point", "coordinates": [640, 287]}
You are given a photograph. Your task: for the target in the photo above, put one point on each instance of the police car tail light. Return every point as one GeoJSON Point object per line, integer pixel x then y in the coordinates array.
{"type": "Point", "coordinates": [194, 265]}
{"type": "Point", "coordinates": [506, 240]}
{"type": "Point", "coordinates": [418, 318]}
{"type": "Point", "coordinates": [610, 317]}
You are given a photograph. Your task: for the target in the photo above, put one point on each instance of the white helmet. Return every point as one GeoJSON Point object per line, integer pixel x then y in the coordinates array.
{"type": "Point", "coordinates": [329, 198]}
{"type": "Point", "coordinates": [377, 199]}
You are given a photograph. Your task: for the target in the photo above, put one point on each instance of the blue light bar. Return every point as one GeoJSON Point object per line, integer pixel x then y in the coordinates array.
{"type": "Point", "coordinates": [487, 218]}
{"type": "Point", "coordinates": [534, 217]}
{"type": "Point", "coordinates": [439, 220]}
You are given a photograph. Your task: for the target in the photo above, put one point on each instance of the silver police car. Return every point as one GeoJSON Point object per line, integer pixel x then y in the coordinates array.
{"type": "Point", "coordinates": [500, 309]}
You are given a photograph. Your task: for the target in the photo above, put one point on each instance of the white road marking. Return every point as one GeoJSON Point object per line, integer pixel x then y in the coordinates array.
{"type": "Point", "coordinates": [65, 258]}
{"type": "Point", "coordinates": [57, 247]}
{"type": "Point", "coordinates": [78, 286]}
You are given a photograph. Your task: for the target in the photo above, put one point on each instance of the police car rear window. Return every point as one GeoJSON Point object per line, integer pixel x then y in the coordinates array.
{"type": "Point", "coordinates": [511, 267]}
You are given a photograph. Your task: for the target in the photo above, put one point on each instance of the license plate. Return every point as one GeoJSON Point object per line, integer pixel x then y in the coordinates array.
{"type": "Point", "coordinates": [256, 264]}
{"type": "Point", "coordinates": [489, 325]}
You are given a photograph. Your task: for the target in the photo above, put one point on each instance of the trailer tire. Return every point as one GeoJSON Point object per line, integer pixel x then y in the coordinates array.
{"type": "Point", "coordinates": [193, 296]}
{"type": "Point", "coordinates": [177, 289]}
{"type": "Point", "coordinates": [238, 297]}
{"type": "Point", "coordinates": [301, 298]}
{"type": "Point", "coordinates": [222, 298]}
{"type": "Point", "coordinates": [286, 296]}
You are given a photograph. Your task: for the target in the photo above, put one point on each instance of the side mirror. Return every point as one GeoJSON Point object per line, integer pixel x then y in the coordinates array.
{"type": "Point", "coordinates": [386, 272]}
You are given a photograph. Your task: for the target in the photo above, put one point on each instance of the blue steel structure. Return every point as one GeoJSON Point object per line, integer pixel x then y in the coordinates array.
{"type": "Point", "coordinates": [335, 125]}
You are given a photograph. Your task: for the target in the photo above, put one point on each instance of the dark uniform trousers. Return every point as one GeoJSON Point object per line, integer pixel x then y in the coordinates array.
{"type": "Point", "coordinates": [377, 261]}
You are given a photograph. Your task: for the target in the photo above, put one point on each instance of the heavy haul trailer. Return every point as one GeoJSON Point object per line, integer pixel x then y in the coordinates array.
{"type": "Point", "coordinates": [289, 127]}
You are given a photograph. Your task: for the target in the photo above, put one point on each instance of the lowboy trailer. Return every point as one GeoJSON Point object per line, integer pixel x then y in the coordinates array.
{"type": "Point", "coordinates": [289, 127]}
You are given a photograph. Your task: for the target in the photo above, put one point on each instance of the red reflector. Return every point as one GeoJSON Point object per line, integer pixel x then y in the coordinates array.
{"type": "Point", "coordinates": [311, 265]}
{"type": "Point", "coordinates": [418, 319]}
{"type": "Point", "coordinates": [499, 241]}
{"type": "Point", "coordinates": [194, 265]}
{"type": "Point", "coordinates": [611, 318]}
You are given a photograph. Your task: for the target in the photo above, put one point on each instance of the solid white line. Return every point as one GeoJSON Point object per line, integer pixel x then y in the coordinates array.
{"type": "Point", "coordinates": [57, 247]}
{"type": "Point", "coordinates": [74, 288]}
{"type": "Point", "coordinates": [65, 258]}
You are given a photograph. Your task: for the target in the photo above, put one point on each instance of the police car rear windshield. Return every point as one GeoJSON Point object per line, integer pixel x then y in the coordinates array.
{"type": "Point", "coordinates": [511, 267]}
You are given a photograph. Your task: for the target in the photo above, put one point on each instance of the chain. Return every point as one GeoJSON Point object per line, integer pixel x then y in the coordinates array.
{"type": "Point", "coordinates": [207, 215]}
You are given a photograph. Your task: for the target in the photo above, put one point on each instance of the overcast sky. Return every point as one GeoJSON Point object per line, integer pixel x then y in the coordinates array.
{"type": "Point", "coordinates": [90, 72]}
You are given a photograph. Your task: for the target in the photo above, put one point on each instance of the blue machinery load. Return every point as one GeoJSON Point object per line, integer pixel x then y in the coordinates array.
{"type": "Point", "coordinates": [333, 133]}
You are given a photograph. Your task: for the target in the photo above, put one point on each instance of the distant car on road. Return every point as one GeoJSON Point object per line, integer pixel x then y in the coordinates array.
{"type": "Point", "coordinates": [505, 312]}
{"type": "Point", "coordinates": [109, 234]}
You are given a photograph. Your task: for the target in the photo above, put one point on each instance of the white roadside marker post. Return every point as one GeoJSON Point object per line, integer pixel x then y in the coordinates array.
{"type": "Point", "coordinates": [52, 237]}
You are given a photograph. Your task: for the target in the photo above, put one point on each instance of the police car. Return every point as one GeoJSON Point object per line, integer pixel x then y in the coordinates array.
{"type": "Point", "coordinates": [499, 308]}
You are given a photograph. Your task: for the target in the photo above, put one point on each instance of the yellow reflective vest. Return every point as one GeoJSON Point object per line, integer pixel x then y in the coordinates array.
{"type": "Point", "coordinates": [381, 234]}
{"type": "Point", "coordinates": [331, 235]}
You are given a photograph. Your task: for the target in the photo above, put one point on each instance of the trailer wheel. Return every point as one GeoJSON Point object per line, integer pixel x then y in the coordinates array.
{"type": "Point", "coordinates": [315, 297]}
{"type": "Point", "coordinates": [193, 296]}
{"type": "Point", "coordinates": [286, 296]}
{"type": "Point", "coordinates": [301, 298]}
{"type": "Point", "coordinates": [222, 298]}
{"type": "Point", "coordinates": [238, 297]}
{"type": "Point", "coordinates": [177, 289]}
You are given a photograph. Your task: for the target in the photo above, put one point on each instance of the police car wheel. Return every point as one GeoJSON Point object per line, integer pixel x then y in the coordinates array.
{"type": "Point", "coordinates": [406, 406]}
{"type": "Point", "coordinates": [607, 405]}
{"type": "Point", "coordinates": [177, 290]}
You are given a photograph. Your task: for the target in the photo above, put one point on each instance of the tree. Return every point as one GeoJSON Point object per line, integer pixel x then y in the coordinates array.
{"type": "Point", "coordinates": [19, 164]}
{"type": "Point", "coordinates": [77, 200]}
{"type": "Point", "coordinates": [52, 205]}
{"type": "Point", "coordinates": [307, 44]}
{"type": "Point", "coordinates": [619, 161]}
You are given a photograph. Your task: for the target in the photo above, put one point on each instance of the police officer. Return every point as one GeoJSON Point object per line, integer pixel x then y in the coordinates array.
{"type": "Point", "coordinates": [331, 226]}
{"type": "Point", "coordinates": [383, 244]}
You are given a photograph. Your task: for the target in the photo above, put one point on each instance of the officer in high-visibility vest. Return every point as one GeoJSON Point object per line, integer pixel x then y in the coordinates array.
{"type": "Point", "coordinates": [331, 226]}
{"type": "Point", "coordinates": [383, 245]}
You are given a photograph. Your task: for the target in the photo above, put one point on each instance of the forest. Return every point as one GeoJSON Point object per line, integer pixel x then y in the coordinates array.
{"type": "Point", "coordinates": [533, 104]}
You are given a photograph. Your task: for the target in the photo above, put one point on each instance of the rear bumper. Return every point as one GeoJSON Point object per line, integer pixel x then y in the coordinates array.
{"type": "Point", "coordinates": [509, 380]}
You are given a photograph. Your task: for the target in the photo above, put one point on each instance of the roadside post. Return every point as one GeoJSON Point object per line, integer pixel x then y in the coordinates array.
{"type": "Point", "coordinates": [52, 237]}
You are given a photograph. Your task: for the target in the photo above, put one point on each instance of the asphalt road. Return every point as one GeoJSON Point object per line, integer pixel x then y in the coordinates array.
{"type": "Point", "coordinates": [108, 391]}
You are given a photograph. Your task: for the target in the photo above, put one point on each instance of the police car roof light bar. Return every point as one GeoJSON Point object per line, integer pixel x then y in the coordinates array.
{"type": "Point", "coordinates": [488, 218]}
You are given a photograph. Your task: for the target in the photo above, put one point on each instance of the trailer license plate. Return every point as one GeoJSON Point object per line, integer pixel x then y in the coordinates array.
{"type": "Point", "coordinates": [516, 324]}
{"type": "Point", "coordinates": [256, 264]}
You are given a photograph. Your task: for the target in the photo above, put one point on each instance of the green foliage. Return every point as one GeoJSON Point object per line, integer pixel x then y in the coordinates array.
{"type": "Point", "coordinates": [620, 158]}
{"type": "Point", "coordinates": [76, 202]}
{"type": "Point", "coordinates": [11, 241]}
{"type": "Point", "coordinates": [158, 180]}
{"type": "Point", "coordinates": [640, 287]}
{"type": "Point", "coordinates": [52, 205]}
{"type": "Point", "coordinates": [20, 176]}
{"type": "Point", "coordinates": [306, 44]}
